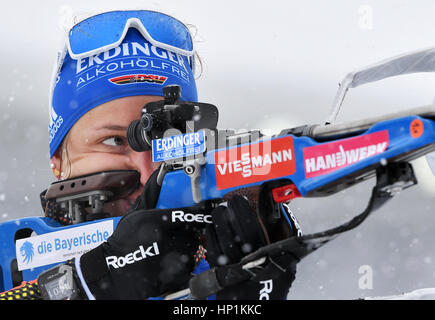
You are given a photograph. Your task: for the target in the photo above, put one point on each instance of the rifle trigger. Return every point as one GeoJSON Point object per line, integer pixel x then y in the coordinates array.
{"type": "Point", "coordinates": [193, 169]}
{"type": "Point", "coordinates": [285, 193]}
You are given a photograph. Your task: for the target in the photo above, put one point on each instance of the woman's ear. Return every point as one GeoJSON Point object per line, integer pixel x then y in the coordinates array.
{"type": "Point", "coordinates": [56, 163]}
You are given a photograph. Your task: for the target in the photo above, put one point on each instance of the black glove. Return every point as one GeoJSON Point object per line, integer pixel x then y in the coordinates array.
{"type": "Point", "coordinates": [237, 231]}
{"type": "Point", "coordinates": [161, 241]}
{"type": "Point", "coordinates": [151, 253]}
{"type": "Point", "coordinates": [150, 194]}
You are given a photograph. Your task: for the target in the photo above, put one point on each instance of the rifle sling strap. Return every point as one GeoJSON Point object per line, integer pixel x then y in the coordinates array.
{"type": "Point", "coordinates": [302, 246]}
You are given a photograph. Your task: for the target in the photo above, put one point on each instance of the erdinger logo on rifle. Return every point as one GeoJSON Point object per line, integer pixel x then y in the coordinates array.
{"type": "Point", "coordinates": [328, 157]}
{"type": "Point", "coordinates": [135, 78]}
{"type": "Point", "coordinates": [254, 162]}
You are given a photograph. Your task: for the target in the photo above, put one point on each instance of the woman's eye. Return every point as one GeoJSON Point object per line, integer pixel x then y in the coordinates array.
{"type": "Point", "coordinates": [114, 141]}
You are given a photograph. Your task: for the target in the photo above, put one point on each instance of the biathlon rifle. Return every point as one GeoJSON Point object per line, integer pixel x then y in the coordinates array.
{"type": "Point", "coordinates": [203, 163]}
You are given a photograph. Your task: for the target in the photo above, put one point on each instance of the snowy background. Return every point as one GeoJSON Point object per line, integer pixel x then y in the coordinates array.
{"type": "Point", "coordinates": [267, 64]}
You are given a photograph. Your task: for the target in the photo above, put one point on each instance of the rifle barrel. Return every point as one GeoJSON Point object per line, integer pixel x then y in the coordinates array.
{"type": "Point", "coordinates": [330, 131]}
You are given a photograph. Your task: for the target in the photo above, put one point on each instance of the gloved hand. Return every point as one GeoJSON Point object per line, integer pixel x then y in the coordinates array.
{"type": "Point", "coordinates": [151, 253]}
{"type": "Point", "coordinates": [150, 194]}
{"type": "Point", "coordinates": [237, 231]}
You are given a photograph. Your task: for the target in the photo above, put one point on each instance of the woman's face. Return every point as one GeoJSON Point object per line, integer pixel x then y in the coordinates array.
{"type": "Point", "coordinates": [98, 142]}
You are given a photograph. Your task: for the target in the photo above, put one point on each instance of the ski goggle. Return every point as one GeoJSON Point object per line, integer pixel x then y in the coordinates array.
{"type": "Point", "coordinates": [105, 31]}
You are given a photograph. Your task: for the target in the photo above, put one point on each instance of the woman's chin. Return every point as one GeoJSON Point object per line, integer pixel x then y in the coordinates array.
{"type": "Point", "coordinates": [118, 207]}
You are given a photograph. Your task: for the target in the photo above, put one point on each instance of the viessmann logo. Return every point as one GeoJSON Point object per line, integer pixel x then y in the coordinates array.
{"type": "Point", "coordinates": [328, 157]}
{"type": "Point", "coordinates": [254, 162]}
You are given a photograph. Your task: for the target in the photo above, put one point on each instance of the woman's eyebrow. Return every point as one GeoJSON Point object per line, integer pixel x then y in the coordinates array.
{"type": "Point", "coordinates": [113, 127]}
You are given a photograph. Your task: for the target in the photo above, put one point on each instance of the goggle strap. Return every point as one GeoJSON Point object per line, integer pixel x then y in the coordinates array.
{"type": "Point", "coordinates": [60, 57]}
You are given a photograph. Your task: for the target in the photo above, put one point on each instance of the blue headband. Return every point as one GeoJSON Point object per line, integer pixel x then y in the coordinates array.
{"type": "Point", "coordinates": [134, 68]}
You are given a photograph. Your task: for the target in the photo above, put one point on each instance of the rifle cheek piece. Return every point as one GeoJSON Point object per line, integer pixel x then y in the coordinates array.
{"type": "Point", "coordinates": [84, 197]}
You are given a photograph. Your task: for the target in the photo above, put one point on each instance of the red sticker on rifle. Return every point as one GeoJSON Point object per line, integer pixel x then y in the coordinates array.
{"type": "Point", "coordinates": [254, 162]}
{"type": "Point", "coordinates": [328, 157]}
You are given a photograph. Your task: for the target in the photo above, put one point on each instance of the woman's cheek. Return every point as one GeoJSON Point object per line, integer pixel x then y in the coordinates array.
{"type": "Point", "coordinates": [93, 163]}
